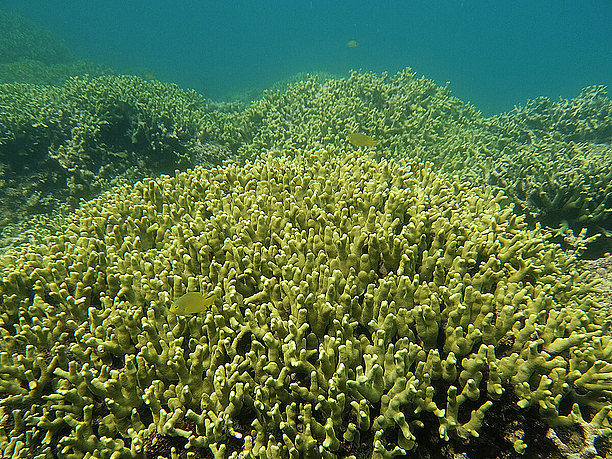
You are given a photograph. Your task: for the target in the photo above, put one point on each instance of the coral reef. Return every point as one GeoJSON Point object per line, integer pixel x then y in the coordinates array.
{"type": "Point", "coordinates": [361, 307]}
{"type": "Point", "coordinates": [553, 160]}
{"type": "Point", "coordinates": [40, 73]}
{"type": "Point", "coordinates": [586, 118]}
{"type": "Point", "coordinates": [93, 130]}
{"type": "Point", "coordinates": [406, 113]}
{"type": "Point", "coordinates": [560, 173]}
{"type": "Point", "coordinates": [22, 39]}
{"type": "Point", "coordinates": [89, 133]}
{"type": "Point", "coordinates": [31, 54]}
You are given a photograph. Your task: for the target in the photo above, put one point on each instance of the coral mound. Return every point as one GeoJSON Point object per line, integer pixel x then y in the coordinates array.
{"type": "Point", "coordinates": [89, 133]}
{"type": "Point", "coordinates": [358, 303]}
{"type": "Point", "coordinates": [559, 171]}
{"type": "Point", "coordinates": [23, 39]}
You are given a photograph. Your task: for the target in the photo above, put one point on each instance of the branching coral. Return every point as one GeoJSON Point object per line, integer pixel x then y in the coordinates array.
{"type": "Point", "coordinates": [355, 300]}
{"type": "Point", "coordinates": [403, 112]}
{"type": "Point", "coordinates": [551, 159]}
{"type": "Point", "coordinates": [559, 171]}
{"type": "Point", "coordinates": [90, 132]}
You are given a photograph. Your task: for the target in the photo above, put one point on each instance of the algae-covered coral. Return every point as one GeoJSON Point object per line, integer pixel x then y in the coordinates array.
{"type": "Point", "coordinates": [361, 308]}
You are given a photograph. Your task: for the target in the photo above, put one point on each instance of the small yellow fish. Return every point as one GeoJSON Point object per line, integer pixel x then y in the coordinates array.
{"type": "Point", "coordinates": [361, 140]}
{"type": "Point", "coordinates": [192, 303]}
{"type": "Point", "coordinates": [352, 43]}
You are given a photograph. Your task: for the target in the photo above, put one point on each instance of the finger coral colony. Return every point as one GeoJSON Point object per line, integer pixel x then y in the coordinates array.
{"type": "Point", "coordinates": [287, 292]}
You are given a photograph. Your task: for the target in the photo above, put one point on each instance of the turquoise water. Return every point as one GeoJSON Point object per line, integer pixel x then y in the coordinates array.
{"type": "Point", "coordinates": [495, 54]}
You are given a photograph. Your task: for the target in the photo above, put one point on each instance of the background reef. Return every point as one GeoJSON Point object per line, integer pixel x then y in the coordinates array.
{"type": "Point", "coordinates": [552, 159]}
{"type": "Point", "coordinates": [83, 128]}
{"type": "Point", "coordinates": [560, 174]}
{"type": "Point", "coordinates": [23, 40]}
{"type": "Point", "coordinates": [32, 54]}
{"type": "Point", "coordinates": [90, 133]}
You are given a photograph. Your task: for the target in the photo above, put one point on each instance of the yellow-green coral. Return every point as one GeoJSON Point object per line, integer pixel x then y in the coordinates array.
{"type": "Point", "coordinates": [551, 158]}
{"type": "Point", "coordinates": [405, 113]}
{"type": "Point", "coordinates": [559, 170]}
{"type": "Point", "coordinates": [90, 132]}
{"type": "Point", "coordinates": [354, 300]}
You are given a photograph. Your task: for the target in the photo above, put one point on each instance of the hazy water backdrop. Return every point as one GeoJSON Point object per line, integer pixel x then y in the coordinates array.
{"type": "Point", "coordinates": [495, 54]}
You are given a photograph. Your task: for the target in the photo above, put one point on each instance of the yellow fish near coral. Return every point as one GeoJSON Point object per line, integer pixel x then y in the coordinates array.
{"type": "Point", "coordinates": [361, 140]}
{"type": "Point", "coordinates": [352, 43]}
{"type": "Point", "coordinates": [192, 303]}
